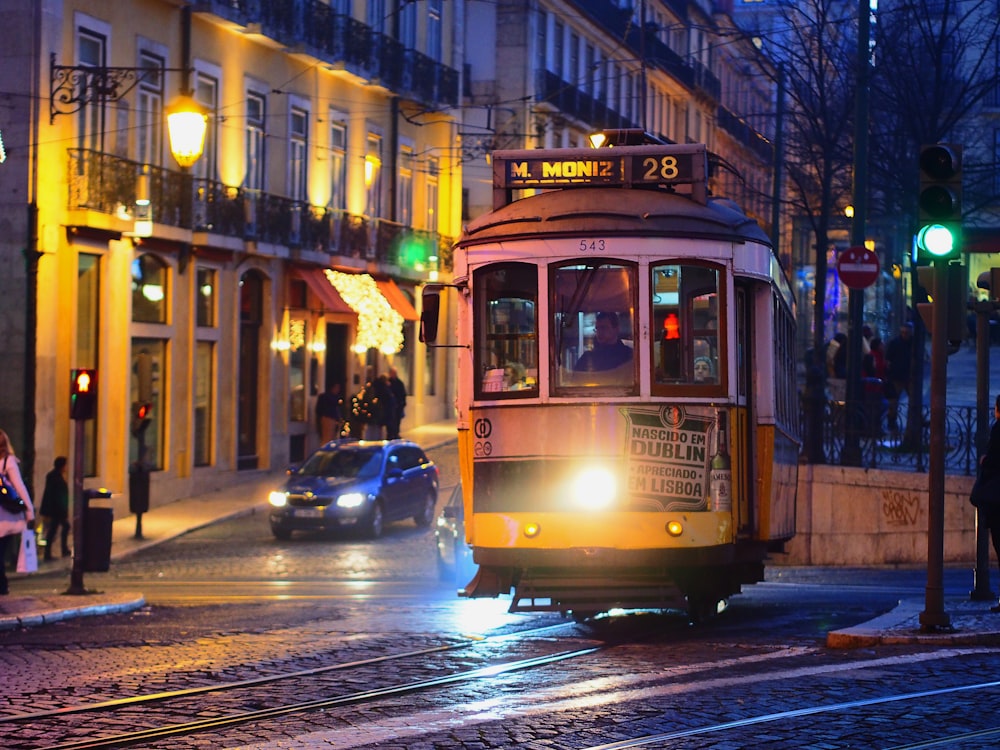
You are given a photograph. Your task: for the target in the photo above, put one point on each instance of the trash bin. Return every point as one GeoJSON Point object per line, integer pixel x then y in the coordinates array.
{"type": "Point", "coordinates": [97, 540]}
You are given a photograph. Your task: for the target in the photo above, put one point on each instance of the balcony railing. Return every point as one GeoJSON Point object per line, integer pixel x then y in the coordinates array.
{"type": "Point", "coordinates": [312, 27]}
{"type": "Point", "coordinates": [108, 184]}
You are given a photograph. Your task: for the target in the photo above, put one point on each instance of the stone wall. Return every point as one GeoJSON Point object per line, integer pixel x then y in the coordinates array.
{"type": "Point", "coordinates": [852, 516]}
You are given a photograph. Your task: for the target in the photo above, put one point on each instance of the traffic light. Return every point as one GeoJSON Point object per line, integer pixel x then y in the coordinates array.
{"type": "Point", "coordinates": [83, 394]}
{"type": "Point", "coordinates": [142, 415]}
{"type": "Point", "coordinates": [939, 203]}
{"type": "Point", "coordinates": [953, 296]}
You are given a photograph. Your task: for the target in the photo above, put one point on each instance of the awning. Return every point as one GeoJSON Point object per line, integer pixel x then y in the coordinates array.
{"type": "Point", "coordinates": [397, 299]}
{"type": "Point", "coordinates": [322, 288]}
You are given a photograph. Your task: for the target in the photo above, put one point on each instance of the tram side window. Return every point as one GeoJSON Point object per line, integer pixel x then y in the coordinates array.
{"type": "Point", "coordinates": [594, 325]}
{"type": "Point", "coordinates": [506, 298]}
{"type": "Point", "coordinates": [686, 319]}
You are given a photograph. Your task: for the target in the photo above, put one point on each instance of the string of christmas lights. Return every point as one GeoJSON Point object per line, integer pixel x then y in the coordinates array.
{"type": "Point", "coordinates": [379, 325]}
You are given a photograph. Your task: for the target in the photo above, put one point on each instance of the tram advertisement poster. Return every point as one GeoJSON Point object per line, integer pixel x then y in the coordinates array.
{"type": "Point", "coordinates": [667, 456]}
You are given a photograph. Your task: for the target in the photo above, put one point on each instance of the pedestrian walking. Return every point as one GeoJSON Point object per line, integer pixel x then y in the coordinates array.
{"type": "Point", "coordinates": [55, 507]}
{"type": "Point", "coordinates": [12, 524]}
{"type": "Point", "coordinates": [330, 413]}
{"type": "Point", "coordinates": [398, 389]}
{"type": "Point", "coordinates": [898, 363]}
{"type": "Point", "coordinates": [986, 491]}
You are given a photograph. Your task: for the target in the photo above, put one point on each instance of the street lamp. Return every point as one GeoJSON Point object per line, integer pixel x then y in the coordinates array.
{"type": "Point", "coordinates": [73, 87]}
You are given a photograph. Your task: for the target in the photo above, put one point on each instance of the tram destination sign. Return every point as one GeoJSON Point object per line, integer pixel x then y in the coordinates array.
{"type": "Point", "coordinates": [622, 166]}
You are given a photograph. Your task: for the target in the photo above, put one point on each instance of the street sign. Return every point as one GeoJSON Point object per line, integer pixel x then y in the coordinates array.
{"type": "Point", "coordinates": [858, 267]}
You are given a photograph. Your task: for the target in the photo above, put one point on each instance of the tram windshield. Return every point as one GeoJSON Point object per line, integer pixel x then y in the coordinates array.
{"type": "Point", "coordinates": [594, 325]}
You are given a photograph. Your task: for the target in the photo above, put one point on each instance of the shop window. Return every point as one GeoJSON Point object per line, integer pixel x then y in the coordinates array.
{"type": "Point", "coordinates": [149, 289]}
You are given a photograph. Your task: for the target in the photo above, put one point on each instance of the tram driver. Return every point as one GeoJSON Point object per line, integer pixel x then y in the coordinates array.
{"type": "Point", "coordinates": [609, 350]}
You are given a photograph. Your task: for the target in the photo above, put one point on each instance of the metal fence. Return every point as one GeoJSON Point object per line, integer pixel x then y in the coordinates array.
{"type": "Point", "coordinates": [894, 447]}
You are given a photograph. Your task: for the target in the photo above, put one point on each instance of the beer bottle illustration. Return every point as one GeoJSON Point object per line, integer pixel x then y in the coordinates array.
{"type": "Point", "coordinates": [720, 472]}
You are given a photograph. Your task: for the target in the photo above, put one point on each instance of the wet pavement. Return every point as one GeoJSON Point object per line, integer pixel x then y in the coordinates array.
{"type": "Point", "coordinates": [159, 525]}
{"type": "Point", "coordinates": [968, 622]}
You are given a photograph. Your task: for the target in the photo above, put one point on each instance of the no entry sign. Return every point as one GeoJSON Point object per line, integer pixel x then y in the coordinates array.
{"type": "Point", "coordinates": [858, 267]}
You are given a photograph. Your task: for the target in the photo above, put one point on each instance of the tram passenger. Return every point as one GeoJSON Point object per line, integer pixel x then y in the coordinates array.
{"type": "Point", "coordinates": [609, 350]}
{"type": "Point", "coordinates": [514, 377]}
{"type": "Point", "coordinates": [703, 370]}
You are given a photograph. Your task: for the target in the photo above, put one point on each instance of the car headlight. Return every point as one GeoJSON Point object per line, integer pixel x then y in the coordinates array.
{"type": "Point", "coordinates": [350, 500]}
{"type": "Point", "coordinates": [278, 499]}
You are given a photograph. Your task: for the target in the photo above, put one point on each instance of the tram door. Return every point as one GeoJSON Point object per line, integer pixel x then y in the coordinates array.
{"type": "Point", "coordinates": [745, 416]}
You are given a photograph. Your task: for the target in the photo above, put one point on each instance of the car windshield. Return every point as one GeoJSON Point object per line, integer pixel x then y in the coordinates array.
{"type": "Point", "coordinates": [359, 463]}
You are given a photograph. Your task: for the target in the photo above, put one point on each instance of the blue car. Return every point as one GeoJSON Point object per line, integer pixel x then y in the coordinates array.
{"type": "Point", "coordinates": [359, 485]}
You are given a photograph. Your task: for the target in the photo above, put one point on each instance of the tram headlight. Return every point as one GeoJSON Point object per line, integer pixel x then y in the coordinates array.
{"type": "Point", "coordinates": [675, 528]}
{"type": "Point", "coordinates": [594, 488]}
{"type": "Point", "coordinates": [531, 530]}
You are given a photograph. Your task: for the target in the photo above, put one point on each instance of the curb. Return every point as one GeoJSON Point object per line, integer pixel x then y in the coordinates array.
{"type": "Point", "coordinates": [39, 611]}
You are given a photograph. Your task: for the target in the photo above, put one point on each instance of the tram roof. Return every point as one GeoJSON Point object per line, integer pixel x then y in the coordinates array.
{"type": "Point", "coordinates": [615, 211]}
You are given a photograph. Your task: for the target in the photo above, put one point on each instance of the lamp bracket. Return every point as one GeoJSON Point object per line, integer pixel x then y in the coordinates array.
{"type": "Point", "coordinates": [72, 87]}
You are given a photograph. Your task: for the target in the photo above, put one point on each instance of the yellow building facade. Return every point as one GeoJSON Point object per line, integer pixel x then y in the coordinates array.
{"type": "Point", "coordinates": [225, 297]}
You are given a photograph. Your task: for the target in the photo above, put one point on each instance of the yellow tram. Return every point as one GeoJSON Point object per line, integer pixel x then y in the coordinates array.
{"type": "Point", "coordinates": [627, 412]}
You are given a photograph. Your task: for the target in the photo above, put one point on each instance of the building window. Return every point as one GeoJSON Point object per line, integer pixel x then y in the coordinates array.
{"type": "Point", "coordinates": [255, 141]}
{"type": "Point", "coordinates": [338, 161]}
{"type": "Point", "coordinates": [204, 376]}
{"type": "Point", "coordinates": [404, 193]}
{"type": "Point", "coordinates": [408, 25]}
{"type": "Point", "coordinates": [373, 175]}
{"type": "Point", "coordinates": [149, 289]}
{"type": "Point", "coordinates": [92, 52]}
{"type": "Point", "coordinates": [434, 30]}
{"type": "Point", "coordinates": [206, 93]}
{"type": "Point", "coordinates": [557, 49]}
{"type": "Point", "coordinates": [206, 296]}
{"type": "Point", "coordinates": [432, 194]}
{"type": "Point", "coordinates": [148, 370]}
{"type": "Point", "coordinates": [298, 153]}
{"type": "Point", "coordinates": [149, 112]}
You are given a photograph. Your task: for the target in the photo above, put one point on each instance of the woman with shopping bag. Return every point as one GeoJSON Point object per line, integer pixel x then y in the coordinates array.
{"type": "Point", "coordinates": [12, 524]}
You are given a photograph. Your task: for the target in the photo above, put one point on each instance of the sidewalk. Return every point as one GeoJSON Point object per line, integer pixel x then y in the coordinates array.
{"type": "Point", "coordinates": [161, 524]}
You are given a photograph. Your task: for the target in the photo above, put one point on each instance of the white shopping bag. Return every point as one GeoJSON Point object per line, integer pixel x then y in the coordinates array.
{"type": "Point", "coordinates": [27, 558]}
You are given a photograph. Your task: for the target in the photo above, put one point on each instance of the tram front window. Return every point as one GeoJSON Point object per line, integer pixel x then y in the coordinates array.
{"type": "Point", "coordinates": [593, 325]}
{"type": "Point", "coordinates": [506, 295]}
{"type": "Point", "coordinates": [686, 318]}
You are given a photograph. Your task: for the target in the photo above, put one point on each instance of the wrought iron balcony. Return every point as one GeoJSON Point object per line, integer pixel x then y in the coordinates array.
{"type": "Point", "coordinates": [312, 27]}
{"type": "Point", "coordinates": [109, 184]}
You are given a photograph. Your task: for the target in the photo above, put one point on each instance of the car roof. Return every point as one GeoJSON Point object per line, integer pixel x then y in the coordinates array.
{"type": "Point", "coordinates": [354, 444]}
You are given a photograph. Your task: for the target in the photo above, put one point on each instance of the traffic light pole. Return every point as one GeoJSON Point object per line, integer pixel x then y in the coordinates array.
{"type": "Point", "coordinates": [79, 510]}
{"type": "Point", "coordinates": [934, 618]}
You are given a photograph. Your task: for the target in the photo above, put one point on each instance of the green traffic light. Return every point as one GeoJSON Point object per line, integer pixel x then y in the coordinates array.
{"type": "Point", "coordinates": [936, 240]}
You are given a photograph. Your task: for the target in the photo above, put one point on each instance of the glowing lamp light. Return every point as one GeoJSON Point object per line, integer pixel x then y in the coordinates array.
{"type": "Point", "coordinates": [594, 488]}
{"type": "Point", "coordinates": [531, 530]}
{"type": "Point", "coordinates": [675, 528]}
{"type": "Point", "coordinates": [187, 123]}
{"type": "Point", "coordinates": [277, 499]}
{"type": "Point", "coordinates": [671, 327]}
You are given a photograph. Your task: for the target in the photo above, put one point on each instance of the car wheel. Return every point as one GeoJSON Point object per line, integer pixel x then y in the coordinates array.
{"type": "Point", "coordinates": [280, 533]}
{"type": "Point", "coordinates": [425, 516]}
{"type": "Point", "coordinates": [376, 521]}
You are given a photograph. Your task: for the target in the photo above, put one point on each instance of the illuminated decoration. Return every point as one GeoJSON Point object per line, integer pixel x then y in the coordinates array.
{"type": "Point", "coordinates": [296, 334]}
{"type": "Point", "coordinates": [379, 325]}
{"type": "Point", "coordinates": [3, 151]}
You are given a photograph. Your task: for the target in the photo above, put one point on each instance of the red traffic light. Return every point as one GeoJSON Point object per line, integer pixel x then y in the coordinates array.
{"type": "Point", "coordinates": [83, 394]}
